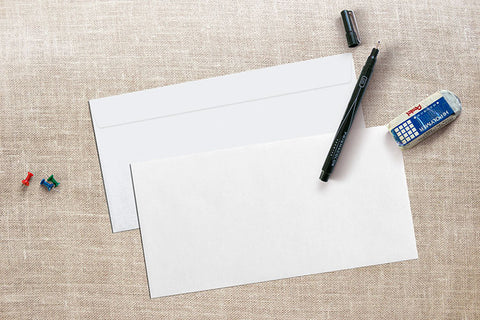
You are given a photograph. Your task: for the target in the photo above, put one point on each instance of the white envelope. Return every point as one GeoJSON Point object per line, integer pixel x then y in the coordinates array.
{"type": "Point", "coordinates": [257, 213]}
{"type": "Point", "coordinates": [281, 102]}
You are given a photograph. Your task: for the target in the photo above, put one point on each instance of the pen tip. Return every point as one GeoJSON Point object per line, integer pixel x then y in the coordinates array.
{"type": "Point", "coordinates": [378, 44]}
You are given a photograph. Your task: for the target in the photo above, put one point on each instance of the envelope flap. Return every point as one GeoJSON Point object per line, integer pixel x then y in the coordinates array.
{"type": "Point", "coordinates": [222, 91]}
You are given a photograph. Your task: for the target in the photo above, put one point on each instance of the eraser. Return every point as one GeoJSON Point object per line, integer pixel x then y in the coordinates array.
{"type": "Point", "coordinates": [424, 118]}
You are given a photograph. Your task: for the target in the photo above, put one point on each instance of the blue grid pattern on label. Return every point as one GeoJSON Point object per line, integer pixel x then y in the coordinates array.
{"type": "Point", "coordinates": [405, 132]}
{"type": "Point", "coordinates": [422, 121]}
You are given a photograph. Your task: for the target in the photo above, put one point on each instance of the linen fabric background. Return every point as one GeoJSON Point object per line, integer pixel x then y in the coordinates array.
{"type": "Point", "coordinates": [58, 256]}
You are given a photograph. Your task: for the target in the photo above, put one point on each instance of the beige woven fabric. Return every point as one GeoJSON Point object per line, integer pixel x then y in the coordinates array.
{"type": "Point", "coordinates": [58, 256]}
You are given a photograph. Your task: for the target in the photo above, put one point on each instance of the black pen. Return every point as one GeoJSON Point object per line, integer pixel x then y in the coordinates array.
{"type": "Point", "coordinates": [349, 115]}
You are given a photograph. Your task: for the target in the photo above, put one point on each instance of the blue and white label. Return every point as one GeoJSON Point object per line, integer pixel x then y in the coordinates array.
{"type": "Point", "coordinates": [422, 121]}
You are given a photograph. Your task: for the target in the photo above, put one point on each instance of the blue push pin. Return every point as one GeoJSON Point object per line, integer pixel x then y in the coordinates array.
{"type": "Point", "coordinates": [46, 184]}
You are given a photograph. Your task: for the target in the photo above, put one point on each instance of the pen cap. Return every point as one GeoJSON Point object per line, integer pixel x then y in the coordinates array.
{"type": "Point", "coordinates": [351, 28]}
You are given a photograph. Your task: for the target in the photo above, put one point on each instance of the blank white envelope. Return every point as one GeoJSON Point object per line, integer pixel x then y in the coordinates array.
{"type": "Point", "coordinates": [281, 102]}
{"type": "Point", "coordinates": [258, 213]}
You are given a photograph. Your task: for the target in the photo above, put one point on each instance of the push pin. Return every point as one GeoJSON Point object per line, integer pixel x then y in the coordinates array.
{"type": "Point", "coordinates": [52, 180]}
{"type": "Point", "coordinates": [49, 186]}
{"type": "Point", "coordinates": [26, 181]}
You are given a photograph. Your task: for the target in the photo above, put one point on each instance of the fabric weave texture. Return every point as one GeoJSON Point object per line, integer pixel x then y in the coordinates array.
{"type": "Point", "coordinates": [58, 256]}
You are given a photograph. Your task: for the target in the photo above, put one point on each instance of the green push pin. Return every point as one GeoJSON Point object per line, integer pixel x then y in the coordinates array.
{"type": "Point", "coordinates": [52, 180]}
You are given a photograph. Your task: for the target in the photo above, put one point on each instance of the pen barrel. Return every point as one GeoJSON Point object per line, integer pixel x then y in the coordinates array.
{"type": "Point", "coordinates": [348, 117]}
{"type": "Point", "coordinates": [340, 137]}
{"type": "Point", "coordinates": [369, 64]}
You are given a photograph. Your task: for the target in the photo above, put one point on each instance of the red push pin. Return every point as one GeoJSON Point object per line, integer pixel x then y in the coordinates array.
{"type": "Point", "coordinates": [26, 181]}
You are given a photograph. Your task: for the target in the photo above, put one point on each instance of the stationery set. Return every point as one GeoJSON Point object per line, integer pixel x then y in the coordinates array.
{"type": "Point", "coordinates": [221, 176]}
